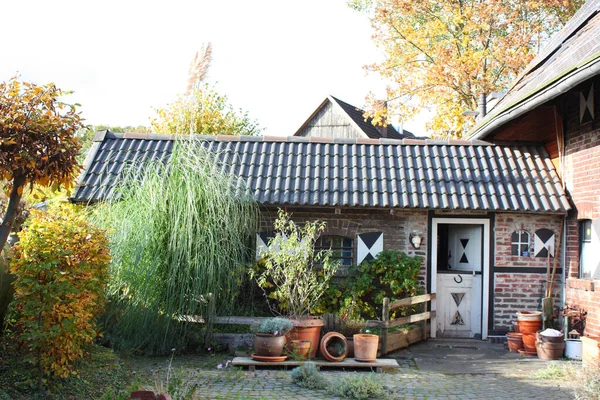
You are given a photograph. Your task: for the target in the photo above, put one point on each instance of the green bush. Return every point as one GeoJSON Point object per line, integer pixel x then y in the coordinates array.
{"type": "Point", "coordinates": [60, 271]}
{"type": "Point", "coordinates": [357, 386]}
{"type": "Point", "coordinates": [308, 376]}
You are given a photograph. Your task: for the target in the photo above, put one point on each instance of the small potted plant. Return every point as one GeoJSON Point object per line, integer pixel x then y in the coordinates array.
{"type": "Point", "coordinates": [269, 339]}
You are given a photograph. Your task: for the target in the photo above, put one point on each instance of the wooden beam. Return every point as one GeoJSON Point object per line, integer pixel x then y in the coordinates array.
{"type": "Point", "coordinates": [411, 318]}
{"type": "Point", "coordinates": [409, 301]}
{"type": "Point", "coordinates": [238, 320]}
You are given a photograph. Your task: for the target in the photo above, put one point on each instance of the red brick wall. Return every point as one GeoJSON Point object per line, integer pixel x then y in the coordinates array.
{"type": "Point", "coordinates": [518, 291]}
{"type": "Point", "coordinates": [582, 180]}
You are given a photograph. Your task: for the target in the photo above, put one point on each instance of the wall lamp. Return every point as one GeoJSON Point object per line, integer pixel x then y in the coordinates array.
{"type": "Point", "coordinates": [415, 239]}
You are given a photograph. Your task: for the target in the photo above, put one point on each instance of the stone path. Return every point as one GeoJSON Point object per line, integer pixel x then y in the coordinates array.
{"type": "Point", "coordinates": [451, 373]}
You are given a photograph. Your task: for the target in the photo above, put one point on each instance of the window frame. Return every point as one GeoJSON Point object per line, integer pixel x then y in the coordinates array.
{"type": "Point", "coordinates": [583, 241]}
{"type": "Point", "coordinates": [345, 260]}
{"type": "Point", "coordinates": [520, 243]}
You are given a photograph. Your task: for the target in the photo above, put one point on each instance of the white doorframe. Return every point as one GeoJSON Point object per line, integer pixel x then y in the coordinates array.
{"type": "Point", "coordinates": [485, 267]}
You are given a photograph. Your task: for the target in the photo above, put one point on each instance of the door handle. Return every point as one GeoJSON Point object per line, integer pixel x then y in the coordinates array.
{"type": "Point", "coordinates": [461, 279]}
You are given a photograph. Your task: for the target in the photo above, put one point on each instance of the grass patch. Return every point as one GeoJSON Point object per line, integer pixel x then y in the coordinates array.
{"type": "Point", "coordinates": [563, 371]}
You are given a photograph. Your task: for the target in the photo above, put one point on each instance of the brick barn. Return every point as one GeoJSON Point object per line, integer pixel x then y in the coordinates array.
{"type": "Point", "coordinates": [482, 216]}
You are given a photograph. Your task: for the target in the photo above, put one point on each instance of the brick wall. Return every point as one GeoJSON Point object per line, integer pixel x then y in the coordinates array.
{"type": "Point", "coordinates": [518, 291]}
{"type": "Point", "coordinates": [582, 177]}
{"type": "Point", "coordinates": [396, 226]}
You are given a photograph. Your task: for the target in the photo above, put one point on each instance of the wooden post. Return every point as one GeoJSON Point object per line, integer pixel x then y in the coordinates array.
{"type": "Point", "coordinates": [385, 317]}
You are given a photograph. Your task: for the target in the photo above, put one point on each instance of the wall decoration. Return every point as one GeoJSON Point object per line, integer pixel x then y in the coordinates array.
{"type": "Point", "coordinates": [262, 242]}
{"type": "Point", "coordinates": [543, 239]}
{"type": "Point", "coordinates": [369, 245]}
{"type": "Point", "coordinates": [586, 105]}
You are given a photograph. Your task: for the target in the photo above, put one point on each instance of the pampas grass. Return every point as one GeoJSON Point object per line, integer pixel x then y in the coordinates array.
{"type": "Point", "coordinates": [180, 235]}
{"type": "Point", "coordinates": [199, 68]}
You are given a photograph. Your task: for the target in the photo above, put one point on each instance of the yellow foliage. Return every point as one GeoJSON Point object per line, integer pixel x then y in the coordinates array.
{"type": "Point", "coordinates": [60, 271]}
{"type": "Point", "coordinates": [443, 54]}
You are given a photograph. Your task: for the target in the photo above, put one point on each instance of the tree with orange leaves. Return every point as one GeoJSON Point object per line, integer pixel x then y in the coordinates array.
{"type": "Point", "coordinates": [38, 145]}
{"type": "Point", "coordinates": [442, 54]}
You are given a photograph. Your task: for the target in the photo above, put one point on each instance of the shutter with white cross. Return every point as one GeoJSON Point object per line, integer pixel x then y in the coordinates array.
{"type": "Point", "coordinates": [262, 242]}
{"type": "Point", "coordinates": [369, 245]}
{"type": "Point", "coordinates": [544, 239]}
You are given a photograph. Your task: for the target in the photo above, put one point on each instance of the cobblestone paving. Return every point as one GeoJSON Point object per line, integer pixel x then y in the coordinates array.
{"type": "Point", "coordinates": [406, 383]}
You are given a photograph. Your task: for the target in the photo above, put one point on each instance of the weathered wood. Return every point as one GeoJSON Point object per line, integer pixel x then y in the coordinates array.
{"type": "Point", "coordinates": [411, 319]}
{"type": "Point", "coordinates": [385, 318]}
{"type": "Point", "coordinates": [413, 334]}
{"type": "Point", "coordinates": [239, 320]}
{"type": "Point", "coordinates": [409, 301]}
{"type": "Point", "coordinates": [383, 363]}
{"type": "Point", "coordinates": [395, 341]}
{"type": "Point", "coordinates": [375, 324]}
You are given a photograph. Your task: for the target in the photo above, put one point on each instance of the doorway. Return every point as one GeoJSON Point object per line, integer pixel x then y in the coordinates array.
{"type": "Point", "coordinates": [460, 277]}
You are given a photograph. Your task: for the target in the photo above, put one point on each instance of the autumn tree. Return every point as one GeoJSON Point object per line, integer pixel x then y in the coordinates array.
{"type": "Point", "coordinates": [37, 142]}
{"type": "Point", "coordinates": [443, 54]}
{"type": "Point", "coordinates": [202, 110]}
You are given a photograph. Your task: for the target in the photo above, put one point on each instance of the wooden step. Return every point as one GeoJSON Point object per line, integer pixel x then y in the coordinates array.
{"type": "Point", "coordinates": [379, 365]}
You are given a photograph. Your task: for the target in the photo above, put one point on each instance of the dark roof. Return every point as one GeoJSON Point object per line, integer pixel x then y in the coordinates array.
{"type": "Point", "coordinates": [425, 174]}
{"type": "Point", "coordinates": [356, 117]}
{"type": "Point", "coordinates": [571, 57]}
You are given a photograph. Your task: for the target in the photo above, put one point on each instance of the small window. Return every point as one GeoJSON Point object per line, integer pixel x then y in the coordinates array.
{"type": "Point", "coordinates": [520, 244]}
{"type": "Point", "coordinates": [586, 266]}
{"type": "Point", "coordinates": [342, 248]}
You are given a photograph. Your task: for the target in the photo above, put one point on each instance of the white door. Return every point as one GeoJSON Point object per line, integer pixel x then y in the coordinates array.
{"type": "Point", "coordinates": [459, 287]}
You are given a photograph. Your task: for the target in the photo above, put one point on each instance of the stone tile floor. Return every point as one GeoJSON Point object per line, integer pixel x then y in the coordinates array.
{"type": "Point", "coordinates": [431, 370]}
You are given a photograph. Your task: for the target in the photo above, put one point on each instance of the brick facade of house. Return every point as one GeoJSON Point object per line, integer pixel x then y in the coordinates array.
{"type": "Point", "coordinates": [582, 179]}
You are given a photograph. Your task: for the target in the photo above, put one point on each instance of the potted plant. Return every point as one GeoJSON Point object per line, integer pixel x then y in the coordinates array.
{"type": "Point", "coordinates": [269, 339]}
{"type": "Point", "coordinates": [294, 276]}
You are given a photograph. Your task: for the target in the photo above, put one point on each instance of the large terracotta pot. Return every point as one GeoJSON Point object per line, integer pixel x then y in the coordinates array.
{"type": "Point", "coordinates": [529, 316]}
{"type": "Point", "coordinates": [307, 328]}
{"type": "Point", "coordinates": [334, 347]}
{"type": "Point", "coordinates": [300, 349]}
{"type": "Point", "coordinates": [527, 326]}
{"type": "Point", "coordinates": [550, 351]}
{"type": "Point", "coordinates": [365, 347]}
{"type": "Point", "coordinates": [267, 345]}
{"type": "Point", "coordinates": [529, 340]}
{"type": "Point", "coordinates": [350, 343]}
{"type": "Point", "coordinates": [515, 341]}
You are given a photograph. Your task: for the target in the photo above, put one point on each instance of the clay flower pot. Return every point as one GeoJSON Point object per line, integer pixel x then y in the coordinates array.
{"type": "Point", "coordinates": [334, 347]}
{"type": "Point", "coordinates": [307, 328]}
{"type": "Point", "coordinates": [300, 349]}
{"type": "Point", "coordinates": [350, 343]}
{"type": "Point", "coordinates": [550, 351]}
{"type": "Point", "coordinates": [515, 341]}
{"type": "Point", "coordinates": [365, 347]}
{"type": "Point", "coordinates": [267, 345]}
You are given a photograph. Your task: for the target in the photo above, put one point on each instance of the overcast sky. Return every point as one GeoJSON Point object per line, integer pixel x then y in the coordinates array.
{"type": "Point", "coordinates": [278, 60]}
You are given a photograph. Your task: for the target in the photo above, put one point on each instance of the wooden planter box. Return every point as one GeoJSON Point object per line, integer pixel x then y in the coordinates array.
{"type": "Point", "coordinates": [401, 339]}
{"type": "Point", "coordinates": [590, 351]}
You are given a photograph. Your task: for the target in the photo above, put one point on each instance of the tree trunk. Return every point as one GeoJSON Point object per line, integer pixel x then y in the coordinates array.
{"type": "Point", "coordinates": [11, 209]}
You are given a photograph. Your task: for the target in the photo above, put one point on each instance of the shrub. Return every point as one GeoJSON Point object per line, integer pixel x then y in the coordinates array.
{"type": "Point", "coordinates": [588, 383]}
{"type": "Point", "coordinates": [357, 386]}
{"type": "Point", "coordinates": [291, 273]}
{"type": "Point", "coordinates": [308, 376]}
{"type": "Point", "coordinates": [60, 270]}
{"type": "Point", "coordinates": [275, 326]}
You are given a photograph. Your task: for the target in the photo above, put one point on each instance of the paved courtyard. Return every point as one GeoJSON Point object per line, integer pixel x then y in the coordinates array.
{"type": "Point", "coordinates": [436, 369]}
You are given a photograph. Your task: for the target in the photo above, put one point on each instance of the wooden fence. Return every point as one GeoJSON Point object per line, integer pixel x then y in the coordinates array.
{"type": "Point", "coordinates": [390, 341]}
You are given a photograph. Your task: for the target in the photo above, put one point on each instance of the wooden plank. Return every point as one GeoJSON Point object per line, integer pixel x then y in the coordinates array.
{"type": "Point", "coordinates": [396, 341]}
{"type": "Point", "coordinates": [384, 363]}
{"type": "Point", "coordinates": [375, 324]}
{"type": "Point", "coordinates": [409, 301]}
{"type": "Point", "coordinates": [384, 331]}
{"type": "Point", "coordinates": [411, 319]}
{"type": "Point", "coordinates": [239, 320]}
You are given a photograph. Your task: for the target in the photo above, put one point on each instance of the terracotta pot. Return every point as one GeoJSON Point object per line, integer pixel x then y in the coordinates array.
{"type": "Point", "coordinates": [334, 347]}
{"type": "Point", "coordinates": [549, 339]}
{"type": "Point", "coordinates": [142, 395]}
{"type": "Point", "coordinates": [515, 341]}
{"type": "Point", "coordinates": [529, 316]}
{"type": "Point", "coordinates": [307, 328]}
{"type": "Point", "coordinates": [529, 340]}
{"type": "Point", "coordinates": [365, 347]}
{"type": "Point", "coordinates": [549, 351]}
{"type": "Point", "coordinates": [268, 345]}
{"type": "Point", "coordinates": [300, 349]}
{"type": "Point", "coordinates": [350, 343]}
{"type": "Point", "coordinates": [529, 326]}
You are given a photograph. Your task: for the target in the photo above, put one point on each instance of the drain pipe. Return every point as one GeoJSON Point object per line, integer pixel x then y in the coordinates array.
{"type": "Point", "coordinates": [482, 106]}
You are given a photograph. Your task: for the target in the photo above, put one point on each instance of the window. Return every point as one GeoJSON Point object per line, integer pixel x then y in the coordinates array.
{"type": "Point", "coordinates": [342, 248]}
{"type": "Point", "coordinates": [586, 253]}
{"type": "Point", "coordinates": [520, 244]}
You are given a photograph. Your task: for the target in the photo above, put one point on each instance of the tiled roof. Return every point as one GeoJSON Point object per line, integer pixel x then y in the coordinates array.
{"type": "Point", "coordinates": [357, 115]}
{"type": "Point", "coordinates": [410, 173]}
{"type": "Point", "coordinates": [571, 57]}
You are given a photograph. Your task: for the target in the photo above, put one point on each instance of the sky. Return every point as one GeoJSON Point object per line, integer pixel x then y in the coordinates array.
{"type": "Point", "coordinates": [275, 59]}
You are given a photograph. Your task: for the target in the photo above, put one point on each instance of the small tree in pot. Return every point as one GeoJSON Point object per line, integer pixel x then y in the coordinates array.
{"type": "Point", "coordinates": [270, 337]}
{"type": "Point", "coordinates": [295, 276]}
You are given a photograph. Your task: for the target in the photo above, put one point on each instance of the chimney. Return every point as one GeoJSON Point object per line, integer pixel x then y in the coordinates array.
{"type": "Point", "coordinates": [383, 128]}
{"type": "Point", "coordinates": [482, 106]}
